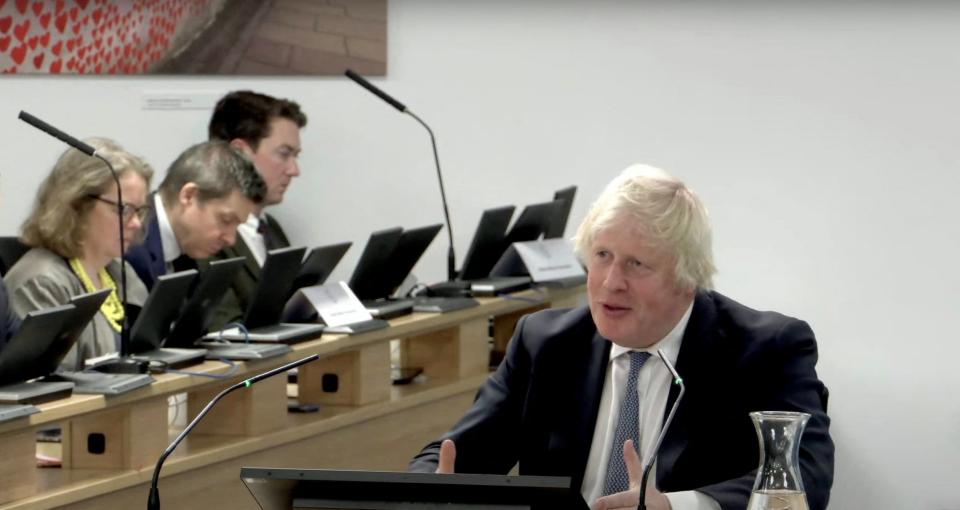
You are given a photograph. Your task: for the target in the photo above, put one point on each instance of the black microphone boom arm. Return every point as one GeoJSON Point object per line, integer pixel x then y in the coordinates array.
{"type": "Point", "coordinates": [642, 505]}
{"type": "Point", "coordinates": [451, 257]}
{"type": "Point", "coordinates": [153, 500]}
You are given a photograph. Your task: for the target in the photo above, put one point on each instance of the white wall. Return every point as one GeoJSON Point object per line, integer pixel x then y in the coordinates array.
{"type": "Point", "coordinates": [823, 138]}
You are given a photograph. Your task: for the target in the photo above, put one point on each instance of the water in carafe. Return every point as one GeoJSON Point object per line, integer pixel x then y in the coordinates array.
{"type": "Point", "coordinates": [778, 485]}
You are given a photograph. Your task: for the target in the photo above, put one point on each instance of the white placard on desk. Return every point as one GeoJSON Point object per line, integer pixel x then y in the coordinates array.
{"type": "Point", "coordinates": [336, 304]}
{"type": "Point", "coordinates": [549, 259]}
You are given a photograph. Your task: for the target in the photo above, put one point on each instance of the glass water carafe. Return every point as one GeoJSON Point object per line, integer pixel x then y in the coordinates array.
{"type": "Point", "coordinates": [778, 485]}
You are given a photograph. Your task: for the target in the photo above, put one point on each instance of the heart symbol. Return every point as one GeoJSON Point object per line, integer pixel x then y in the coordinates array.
{"type": "Point", "coordinates": [60, 5]}
{"type": "Point", "coordinates": [72, 64]}
{"type": "Point", "coordinates": [37, 8]}
{"type": "Point", "coordinates": [45, 39]}
{"type": "Point", "coordinates": [38, 60]}
{"type": "Point", "coordinates": [20, 31]}
{"type": "Point", "coordinates": [5, 23]}
{"type": "Point", "coordinates": [22, 6]}
{"type": "Point", "coordinates": [82, 3]}
{"type": "Point", "coordinates": [97, 16]}
{"type": "Point", "coordinates": [45, 19]}
{"type": "Point", "coordinates": [55, 66]}
{"type": "Point", "coordinates": [73, 14]}
{"type": "Point", "coordinates": [33, 42]}
{"type": "Point", "coordinates": [82, 51]}
{"type": "Point", "coordinates": [58, 47]}
{"type": "Point", "coordinates": [61, 22]}
{"type": "Point", "coordinates": [19, 53]}
{"type": "Point", "coordinates": [5, 42]}
{"type": "Point", "coordinates": [76, 28]}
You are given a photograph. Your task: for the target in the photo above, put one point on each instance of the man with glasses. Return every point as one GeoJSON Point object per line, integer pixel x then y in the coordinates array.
{"type": "Point", "coordinates": [207, 193]}
{"type": "Point", "coordinates": [267, 130]}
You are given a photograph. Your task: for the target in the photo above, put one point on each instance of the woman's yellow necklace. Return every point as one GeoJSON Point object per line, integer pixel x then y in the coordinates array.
{"type": "Point", "coordinates": [112, 308]}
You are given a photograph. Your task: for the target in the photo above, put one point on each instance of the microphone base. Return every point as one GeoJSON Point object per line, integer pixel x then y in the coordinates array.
{"type": "Point", "coordinates": [123, 366]}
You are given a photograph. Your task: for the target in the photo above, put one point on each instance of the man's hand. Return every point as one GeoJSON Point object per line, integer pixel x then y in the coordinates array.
{"type": "Point", "coordinates": [630, 498]}
{"type": "Point", "coordinates": [448, 457]}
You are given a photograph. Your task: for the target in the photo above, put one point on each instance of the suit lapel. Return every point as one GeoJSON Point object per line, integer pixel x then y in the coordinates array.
{"type": "Point", "coordinates": [154, 245]}
{"type": "Point", "coordinates": [586, 396]}
{"type": "Point", "coordinates": [697, 339]}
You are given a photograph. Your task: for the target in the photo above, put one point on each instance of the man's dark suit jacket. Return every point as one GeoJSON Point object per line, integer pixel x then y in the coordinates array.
{"type": "Point", "coordinates": [9, 321]}
{"type": "Point", "coordinates": [147, 257]}
{"type": "Point", "coordinates": [236, 301]}
{"type": "Point", "coordinates": [540, 407]}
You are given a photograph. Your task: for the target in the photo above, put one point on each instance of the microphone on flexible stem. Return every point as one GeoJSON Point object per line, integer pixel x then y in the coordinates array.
{"type": "Point", "coordinates": [451, 258]}
{"type": "Point", "coordinates": [124, 364]}
{"type": "Point", "coordinates": [153, 500]}
{"type": "Point", "coordinates": [663, 431]}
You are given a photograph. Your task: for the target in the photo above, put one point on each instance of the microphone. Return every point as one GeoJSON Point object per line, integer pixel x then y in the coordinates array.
{"type": "Point", "coordinates": [663, 431]}
{"type": "Point", "coordinates": [451, 258]}
{"type": "Point", "coordinates": [56, 133]}
{"type": "Point", "coordinates": [153, 500]}
{"type": "Point", "coordinates": [124, 364]}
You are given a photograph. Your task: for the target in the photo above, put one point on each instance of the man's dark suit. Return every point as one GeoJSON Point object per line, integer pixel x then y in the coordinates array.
{"type": "Point", "coordinates": [540, 407]}
{"type": "Point", "coordinates": [147, 257]}
{"type": "Point", "coordinates": [236, 301]}
{"type": "Point", "coordinates": [9, 322]}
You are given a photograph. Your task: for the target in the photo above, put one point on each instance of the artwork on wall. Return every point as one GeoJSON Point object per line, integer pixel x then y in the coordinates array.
{"type": "Point", "coordinates": [210, 37]}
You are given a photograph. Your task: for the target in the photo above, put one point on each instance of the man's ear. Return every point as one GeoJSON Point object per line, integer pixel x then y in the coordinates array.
{"type": "Point", "coordinates": [189, 194]}
{"type": "Point", "coordinates": [242, 146]}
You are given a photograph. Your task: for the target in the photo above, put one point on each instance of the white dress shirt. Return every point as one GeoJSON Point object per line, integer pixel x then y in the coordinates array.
{"type": "Point", "coordinates": [168, 240]}
{"type": "Point", "coordinates": [249, 231]}
{"type": "Point", "coordinates": [653, 386]}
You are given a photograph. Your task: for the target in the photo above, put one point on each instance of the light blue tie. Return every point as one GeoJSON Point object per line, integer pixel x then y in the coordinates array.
{"type": "Point", "coordinates": [628, 427]}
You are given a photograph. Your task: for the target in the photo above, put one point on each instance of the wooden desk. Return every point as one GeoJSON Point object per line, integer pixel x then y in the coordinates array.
{"type": "Point", "coordinates": [364, 421]}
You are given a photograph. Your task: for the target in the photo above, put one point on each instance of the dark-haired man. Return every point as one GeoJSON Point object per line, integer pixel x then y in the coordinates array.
{"type": "Point", "coordinates": [207, 193]}
{"type": "Point", "coordinates": [266, 129]}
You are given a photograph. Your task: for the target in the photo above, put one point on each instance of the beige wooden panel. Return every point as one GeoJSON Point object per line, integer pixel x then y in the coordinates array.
{"type": "Point", "coordinates": [131, 436]}
{"type": "Point", "coordinates": [249, 411]}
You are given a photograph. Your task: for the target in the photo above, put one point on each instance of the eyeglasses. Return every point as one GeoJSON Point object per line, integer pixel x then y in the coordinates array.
{"type": "Point", "coordinates": [127, 210]}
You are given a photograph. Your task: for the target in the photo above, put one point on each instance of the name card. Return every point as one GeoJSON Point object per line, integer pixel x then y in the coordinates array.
{"type": "Point", "coordinates": [336, 304]}
{"type": "Point", "coordinates": [549, 259]}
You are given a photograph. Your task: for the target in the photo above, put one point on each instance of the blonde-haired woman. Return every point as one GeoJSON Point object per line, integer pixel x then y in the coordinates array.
{"type": "Point", "coordinates": [75, 244]}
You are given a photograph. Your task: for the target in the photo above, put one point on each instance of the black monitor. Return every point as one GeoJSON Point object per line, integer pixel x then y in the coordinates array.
{"type": "Point", "coordinates": [276, 278]}
{"type": "Point", "coordinates": [533, 222]}
{"type": "Point", "coordinates": [197, 313]}
{"type": "Point", "coordinates": [405, 255]}
{"type": "Point", "coordinates": [152, 324]}
{"type": "Point", "coordinates": [38, 346]}
{"type": "Point", "coordinates": [276, 489]}
{"type": "Point", "coordinates": [375, 257]}
{"type": "Point", "coordinates": [559, 224]}
{"type": "Point", "coordinates": [487, 244]}
{"type": "Point", "coordinates": [318, 265]}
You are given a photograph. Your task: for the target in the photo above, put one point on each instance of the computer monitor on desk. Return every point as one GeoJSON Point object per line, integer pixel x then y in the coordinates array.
{"type": "Point", "coordinates": [198, 311]}
{"type": "Point", "coordinates": [36, 350]}
{"type": "Point", "coordinates": [282, 489]}
{"type": "Point", "coordinates": [318, 265]}
{"type": "Point", "coordinates": [262, 318]}
{"type": "Point", "coordinates": [559, 224]}
{"type": "Point", "coordinates": [152, 325]}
